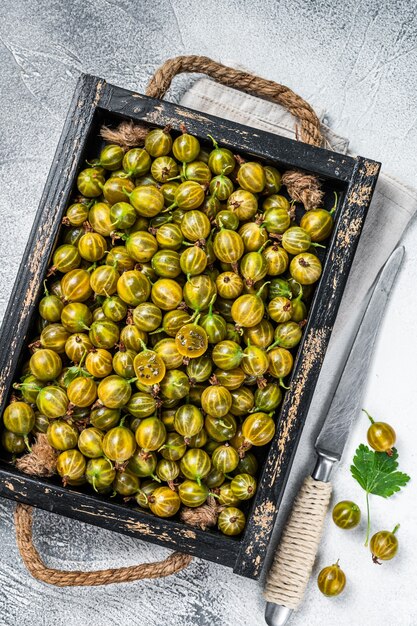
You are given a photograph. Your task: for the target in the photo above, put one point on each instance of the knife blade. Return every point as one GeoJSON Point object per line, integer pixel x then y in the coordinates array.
{"type": "Point", "coordinates": [329, 447]}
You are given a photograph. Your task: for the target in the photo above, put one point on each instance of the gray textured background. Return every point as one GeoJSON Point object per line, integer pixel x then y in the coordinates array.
{"type": "Point", "coordinates": [357, 60]}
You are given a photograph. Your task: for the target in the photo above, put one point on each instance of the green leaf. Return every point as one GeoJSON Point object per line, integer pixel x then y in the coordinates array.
{"type": "Point", "coordinates": [377, 473]}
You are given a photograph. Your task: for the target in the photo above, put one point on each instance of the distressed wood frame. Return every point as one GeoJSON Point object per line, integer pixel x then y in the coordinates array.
{"type": "Point", "coordinates": [96, 102]}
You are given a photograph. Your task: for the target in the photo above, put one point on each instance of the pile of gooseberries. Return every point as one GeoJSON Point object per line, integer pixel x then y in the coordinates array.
{"type": "Point", "coordinates": [173, 305]}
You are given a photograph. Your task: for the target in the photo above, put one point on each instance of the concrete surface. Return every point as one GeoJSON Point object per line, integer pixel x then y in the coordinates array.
{"type": "Point", "coordinates": [359, 61]}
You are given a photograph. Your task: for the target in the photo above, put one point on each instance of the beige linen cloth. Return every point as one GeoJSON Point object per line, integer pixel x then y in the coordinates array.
{"type": "Point", "coordinates": [392, 207]}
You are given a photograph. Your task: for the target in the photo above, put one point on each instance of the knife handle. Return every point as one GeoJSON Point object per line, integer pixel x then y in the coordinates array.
{"type": "Point", "coordinates": [295, 555]}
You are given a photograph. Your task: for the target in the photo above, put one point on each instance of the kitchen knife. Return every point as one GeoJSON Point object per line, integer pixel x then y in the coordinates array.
{"type": "Point", "coordinates": [294, 558]}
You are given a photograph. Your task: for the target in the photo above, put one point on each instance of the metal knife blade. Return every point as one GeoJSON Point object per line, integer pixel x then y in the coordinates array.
{"type": "Point", "coordinates": [348, 396]}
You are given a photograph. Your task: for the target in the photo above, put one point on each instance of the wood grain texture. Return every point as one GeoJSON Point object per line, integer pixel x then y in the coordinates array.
{"type": "Point", "coordinates": [95, 102]}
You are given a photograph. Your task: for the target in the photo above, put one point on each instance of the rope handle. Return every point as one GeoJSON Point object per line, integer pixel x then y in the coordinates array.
{"type": "Point", "coordinates": [23, 516]}
{"type": "Point", "coordinates": [301, 186]}
{"type": "Point", "coordinates": [310, 131]}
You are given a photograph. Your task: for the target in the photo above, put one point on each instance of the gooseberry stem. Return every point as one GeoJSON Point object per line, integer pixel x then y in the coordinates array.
{"type": "Point", "coordinates": [370, 417]}
{"type": "Point", "coordinates": [263, 245]}
{"type": "Point", "coordinates": [395, 529]}
{"type": "Point", "coordinates": [333, 209]}
{"type": "Point", "coordinates": [258, 293]}
{"type": "Point", "coordinates": [215, 144]}
{"type": "Point", "coordinates": [368, 524]}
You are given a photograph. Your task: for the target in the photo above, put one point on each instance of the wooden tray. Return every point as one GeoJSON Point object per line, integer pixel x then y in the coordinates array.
{"type": "Point", "coordinates": [95, 102]}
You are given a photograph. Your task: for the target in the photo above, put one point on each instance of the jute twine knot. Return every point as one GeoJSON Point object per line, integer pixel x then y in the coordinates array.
{"type": "Point", "coordinates": [41, 461]}
{"type": "Point", "coordinates": [301, 186]}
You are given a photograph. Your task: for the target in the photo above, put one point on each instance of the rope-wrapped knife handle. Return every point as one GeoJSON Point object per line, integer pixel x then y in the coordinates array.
{"type": "Point", "coordinates": [296, 553]}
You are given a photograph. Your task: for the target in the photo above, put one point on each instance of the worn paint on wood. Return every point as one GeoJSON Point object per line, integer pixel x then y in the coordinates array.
{"type": "Point", "coordinates": [95, 103]}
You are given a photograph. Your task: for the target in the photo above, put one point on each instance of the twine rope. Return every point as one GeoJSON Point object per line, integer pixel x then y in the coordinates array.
{"type": "Point", "coordinates": [301, 186]}
{"type": "Point", "coordinates": [175, 562]}
{"type": "Point", "coordinates": [294, 559]}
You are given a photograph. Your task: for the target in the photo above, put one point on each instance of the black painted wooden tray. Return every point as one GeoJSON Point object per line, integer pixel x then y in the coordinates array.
{"type": "Point", "coordinates": [95, 102]}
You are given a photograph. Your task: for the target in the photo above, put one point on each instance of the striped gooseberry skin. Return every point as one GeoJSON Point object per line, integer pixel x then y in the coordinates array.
{"type": "Point", "coordinates": [296, 240]}
{"type": "Point", "coordinates": [255, 361]}
{"type": "Point", "coordinates": [92, 247]}
{"type": "Point", "coordinates": [54, 336]}
{"type": "Point", "coordinates": [19, 418]}
{"type": "Point", "coordinates": [75, 286]}
{"type": "Point", "coordinates": [90, 442]}
{"type": "Point", "coordinates": [186, 148]}
{"type": "Point", "coordinates": [215, 327]}
{"type": "Point", "coordinates": [273, 180]}
{"type": "Point", "coordinates": [198, 291]}
{"type": "Point", "coordinates": [147, 200]}
{"type": "Point", "coordinates": [198, 171]}
{"type": "Point", "coordinates": [50, 308]}
{"type": "Point", "coordinates": [12, 443]}
{"type": "Point", "coordinates": [167, 470]}
{"type": "Point", "coordinates": [141, 245]}
{"type": "Point", "coordinates": [123, 363]}
{"type": "Point", "coordinates": [200, 369]}
{"type": "Point", "coordinates": [142, 463]}
{"type": "Point", "coordinates": [114, 391]}
{"type": "Point", "coordinates": [243, 486]}
{"type": "Point", "coordinates": [227, 355]}
{"type": "Point", "coordinates": [166, 294]}
{"type": "Point", "coordinates": [163, 168]}
{"type": "Point", "coordinates": [122, 215]}
{"type": "Point", "coordinates": [253, 267]}
{"type": "Point", "coordinates": [225, 458]}
{"type": "Point", "coordinates": [228, 246]}
{"type": "Point", "coordinates": [141, 405]}
{"type": "Point", "coordinates": [226, 496]}
{"type": "Point", "coordinates": [52, 402]}
{"type": "Point", "coordinates": [276, 220]}
{"type": "Point", "coordinates": [175, 385]}
{"type": "Point", "coordinates": [114, 308]}
{"type": "Point", "coordinates": [276, 201]}
{"type": "Point", "coordinates": [216, 400]}
{"type": "Point", "coordinates": [242, 401]}
{"type": "Point", "coordinates": [45, 364]}
{"type": "Point", "coordinates": [111, 157]}
{"type": "Point", "coordinates": [66, 258]}
{"type": "Point", "coordinates": [115, 189]}
{"type": "Point", "coordinates": [195, 464]}
{"type": "Point", "coordinates": [220, 428]}
{"type": "Point", "coordinates": [100, 473]}
{"type": "Point", "coordinates": [221, 187]}
{"type": "Point", "coordinates": [164, 502]}
{"type": "Point", "coordinates": [166, 348]}
{"type": "Point", "coordinates": [169, 236]}
{"type": "Point", "coordinates": [195, 225]}
{"type": "Point", "coordinates": [248, 310]}
{"type": "Point", "coordinates": [188, 420]}
{"type": "Point", "coordinates": [189, 195]}
{"type": "Point", "coordinates": [100, 219]}
{"type": "Point", "coordinates": [89, 182]}
{"type": "Point", "coordinates": [119, 444]}
{"type": "Point", "coordinates": [318, 223]}
{"type": "Point", "coordinates": [104, 418]}
{"type": "Point", "coordinates": [82, 391]}
{"type": "Point", "coordinates": [253, 236]}
{"type": "Point", "coordinates": [99, 363]}
{"type": "Point", "coordinates": [120, 258]}
{"type": "Point", "coordinates": [166, 263]}
{"type": "Point", "coordinates": [150, 434]}
{"type": "Point", "coordinates": [146, 490]}
{"type": "Point", "coordinates": [136, 162]}
{"type": "Point", "coordinates": [104, 280]}
{"type": "Point", "coordinates": [280, 362]}
{"type": "Point", "coordinates": [229, 285]}
{"type": "Point", "coordinates": [158, 142]}
{"type": "Point", "coordinates": [231, 521]}
{"type": "Point", "coordinates": [258, 428]}
{"type": "Point", "coordinates": [277, 259]}
{"type": "Point", "coordinates": [71, 465]}
{"type": "Point", "coordinates": [193, 494]}
{"type": "Point", "coordinates": [251, 176]}
{"type": "Point", "coordinates": [133, 287]}
{"type": "Point", "coordinates": [287, 335]}
{"type": "Point", "coordinates": [174, 447]}
{"type": "Point", "coordinates": [193, 261]}
{"type": "Point", "coordinates": [174, 320]}
{"type": "Point", "coordinates": [147, 316]}
{"type": "Point", "coordinates": [77, 214]}
{"type": "Point", "coordinates": [331, 580]}
{"type": "Point", "coordinates": [62, 435]}
{"type": "Point", "coordinates": [268, 398]}
{"type": "Point", "coordinates": [76, 317]}
{"type": "Point", "coordinates": [77, 346]}
{"type": "Point", "coordinates": [280, 309]}
{"type": "Point", "coordinates": [104, 334]}
{"type": "Point", "coordinates": [126, 484]}
{"type": "Point", "coordinates": [221, 161]}
{"type": "Point", "coordinates": [261, 335]}
{"type": "Point", "coordinates": [305, 268]}
{"type": "Point", "coordinates": [243, 204]}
